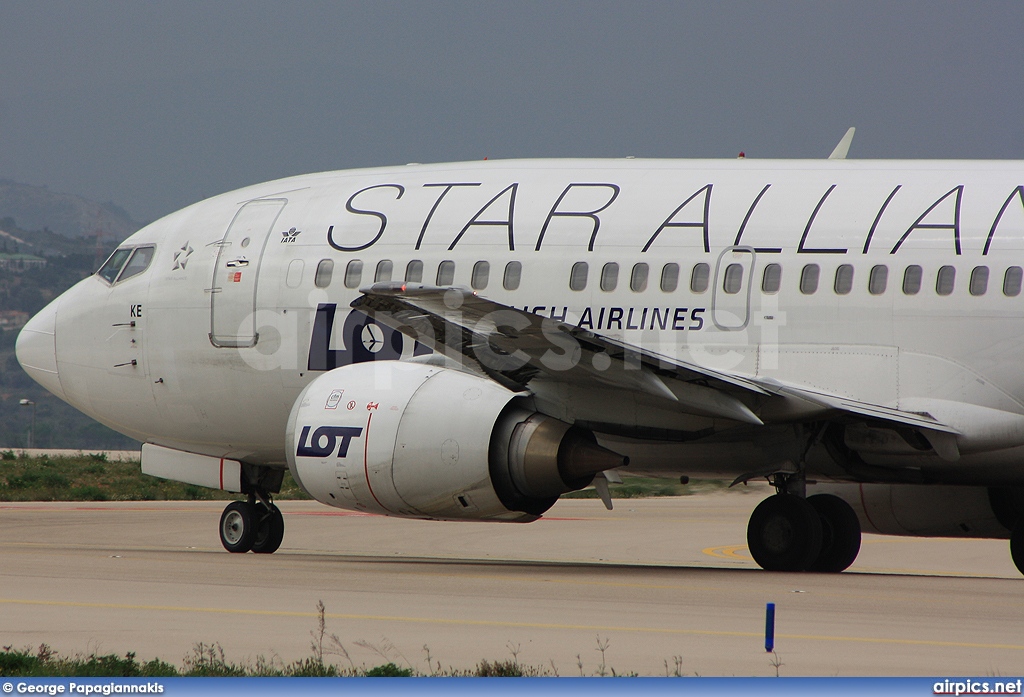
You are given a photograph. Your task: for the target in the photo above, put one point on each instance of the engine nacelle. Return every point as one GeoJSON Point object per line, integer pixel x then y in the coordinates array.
{"type": "Point", "coordinates": [931, 510]}
{"type": "Point", "coordinates": [419, 441]}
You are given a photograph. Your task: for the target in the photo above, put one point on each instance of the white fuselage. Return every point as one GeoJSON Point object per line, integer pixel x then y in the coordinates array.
{"type": "Point", "coordinates": [221, 351]}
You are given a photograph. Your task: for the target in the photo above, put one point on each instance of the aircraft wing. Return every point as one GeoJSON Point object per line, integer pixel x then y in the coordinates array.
{"type": "Point", "coordinates": [513, 346]}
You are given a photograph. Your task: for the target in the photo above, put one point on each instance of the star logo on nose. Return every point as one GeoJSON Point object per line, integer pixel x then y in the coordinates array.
{"type": "Point", "coordinates": [181, 257]}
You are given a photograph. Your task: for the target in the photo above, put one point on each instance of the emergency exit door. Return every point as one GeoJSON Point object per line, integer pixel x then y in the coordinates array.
{"type": "Point", "coordinates": [730, 301]}
{"type": "Point", "coordinates": [236, 274]}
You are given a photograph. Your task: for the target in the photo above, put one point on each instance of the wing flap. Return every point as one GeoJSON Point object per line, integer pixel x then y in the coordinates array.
{"type": "Point", "coordinates": [878, 412]}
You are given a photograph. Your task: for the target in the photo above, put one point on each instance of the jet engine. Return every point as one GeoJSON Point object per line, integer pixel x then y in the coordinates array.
{"type": "Point", "coordinates": [419, 441]}
{"type": "Point", "coordinates": [932, 510]}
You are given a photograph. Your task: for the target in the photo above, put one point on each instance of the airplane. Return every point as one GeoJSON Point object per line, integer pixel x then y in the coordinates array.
{"type": "Point", "coordinates": [469, 341]}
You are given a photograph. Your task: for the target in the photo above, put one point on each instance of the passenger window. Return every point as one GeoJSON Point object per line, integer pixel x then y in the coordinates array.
{"type": "Point", "coordinates": [809, 279]}
{"type": "Point", "coordinates": [446, 273]}
{"type": "Point", "coordinates": [481, 274]}
{"type": "Point", "coordinates": [945, 280]}
{"type": "Point", "coordinates": [324, 271]}
{"type": "Point", "coordinates": [772, 279]}
{"type": "Point", "coordinates": [844, 279]}
{"type": "Point", "coordinates": [878, 279]}
{"type": "Point", "coordinates": [353, 273]}
{"type": "Point", "coordinates": [1012, 281]}
{"type": "Point", "coordinates": [669, 277]}
{"type": "Point", "coordinates": [699, 277]}
{"type": "Point", "coordinates": [414, 271]}
{"type": "Point", "coordinates": [513, 274]}
{"type": "Point", "coordinates": [732, 281]}
{"type": "Point", "coordinates": [384, 269]}
{"type": "Point", "coordinates": [112, 266]}
{"type": "Point", "coordinates": [609, 276]}
{"type": "Point", "coordinates": [638, 279]}
{"type": "Point", "coordinates": [979, 280]}
{"type": "Point", "coordinates": [138, 263]}
{"type": "Point", "coordinates": [912, 280]}
{"type": "Point", "coordinates": [578, 276]}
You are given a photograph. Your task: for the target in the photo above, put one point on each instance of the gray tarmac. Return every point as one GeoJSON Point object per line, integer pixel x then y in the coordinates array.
{"type": "Point", "coordinates": [659, 583]}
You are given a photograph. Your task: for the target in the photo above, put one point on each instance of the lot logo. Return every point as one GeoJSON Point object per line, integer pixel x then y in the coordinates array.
{"type": "Point", "coordinates": [325, 439]}
{"type": "Point", "coordinates": [363, 339]}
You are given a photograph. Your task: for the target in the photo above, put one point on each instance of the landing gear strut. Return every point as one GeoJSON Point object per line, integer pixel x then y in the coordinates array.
{"type": "Point", "coordinates": [788, 532]}
{"type": "Point", "coordinates": [256, 525]}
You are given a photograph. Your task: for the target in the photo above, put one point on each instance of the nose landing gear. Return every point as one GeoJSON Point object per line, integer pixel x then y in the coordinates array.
{"type": "Point", "coordinates": [256, 525]}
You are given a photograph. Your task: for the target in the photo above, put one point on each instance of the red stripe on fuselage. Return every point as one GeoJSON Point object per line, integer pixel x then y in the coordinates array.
{"type": "Point", "coordinates": [366, 465]}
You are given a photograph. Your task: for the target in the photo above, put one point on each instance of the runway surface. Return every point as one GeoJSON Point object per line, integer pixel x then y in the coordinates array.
{"type": "Point", "coordinates": [651, 581]}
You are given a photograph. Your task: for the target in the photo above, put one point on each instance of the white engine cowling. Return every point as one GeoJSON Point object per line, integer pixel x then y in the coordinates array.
{"type": "Point", "coordinates": [930, 510]}
{"type": "Point", "coordinates": [418, 441]}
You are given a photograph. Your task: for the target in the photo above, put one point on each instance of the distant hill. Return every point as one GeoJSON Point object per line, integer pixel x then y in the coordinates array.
{"type": "Point", "coordinates": [38, 208]}
{"type": "Point", "coordinates": [61, 229]}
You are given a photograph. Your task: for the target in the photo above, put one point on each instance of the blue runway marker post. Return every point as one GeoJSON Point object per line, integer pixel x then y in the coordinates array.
{"type": "Point", "coordinates": [769, 627]}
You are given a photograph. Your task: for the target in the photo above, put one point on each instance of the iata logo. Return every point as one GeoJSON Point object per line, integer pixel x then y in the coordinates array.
{"type": "Point", "coordinates": [289, 235]}
{"type": "Point", "coordinates": [325, 439]}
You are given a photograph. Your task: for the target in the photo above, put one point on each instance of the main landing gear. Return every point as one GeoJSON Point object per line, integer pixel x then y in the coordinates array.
{"type": "Point", "coordinates": [1017, 546]}
{"type": "Point", "coordinates": [256, 524]}
{"type": "Point", "coordinates": [788, 532]}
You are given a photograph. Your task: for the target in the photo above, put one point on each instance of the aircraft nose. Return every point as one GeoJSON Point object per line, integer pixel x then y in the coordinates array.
{"type": "Point", "coordinates": [36, 349]}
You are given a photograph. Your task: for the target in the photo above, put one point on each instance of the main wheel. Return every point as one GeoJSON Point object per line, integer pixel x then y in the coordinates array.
{"type": "Point", "coordinates": [1017, 546]}
{"type": "Point", "coordinates": [269, 529]}
{"type": "Point", "coordinates": [784, 533]}
{"type": "Point", "coordinates": [238, 527]}
{"type": "Point", "coordinates": [840, 533]}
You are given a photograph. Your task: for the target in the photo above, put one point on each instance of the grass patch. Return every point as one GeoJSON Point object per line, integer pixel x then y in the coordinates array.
{"type": "Point", "coordinates": [92, 477]}
{"type": "Point", "coordinates": [44, 662]}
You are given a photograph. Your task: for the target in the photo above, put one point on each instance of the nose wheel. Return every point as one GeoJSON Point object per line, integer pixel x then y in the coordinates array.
{"type": "Point", "coordinates": [256, 526]}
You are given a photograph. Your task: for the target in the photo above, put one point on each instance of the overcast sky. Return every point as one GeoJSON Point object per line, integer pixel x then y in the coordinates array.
{"type": "Point", "coordinates": [154, 105]}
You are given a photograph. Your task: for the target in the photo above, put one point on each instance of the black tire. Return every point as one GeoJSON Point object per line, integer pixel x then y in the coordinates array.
{"type": "Point", "coordinates": [238, 527]}
{"type": "Point", "coordinates": [840, 534]}
{"type": "Point", "coordinates": [784, 533]}
{"type": "Point", "coordinates": [269, 529]}
{"type": "Point", "coordinates": [1017, 546]}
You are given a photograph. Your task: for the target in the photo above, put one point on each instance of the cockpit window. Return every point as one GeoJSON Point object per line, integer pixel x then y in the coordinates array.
{"type": "Point", "coordinates": [138, 263]}
{"type": "Point", "coordinates": [125, 263]}
{"type": "Point", "coordinates": [108, 272]}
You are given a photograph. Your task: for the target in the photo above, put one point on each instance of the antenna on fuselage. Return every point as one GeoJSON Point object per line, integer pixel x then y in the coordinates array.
{"type": "Point", "coordinates": [840, 151]}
